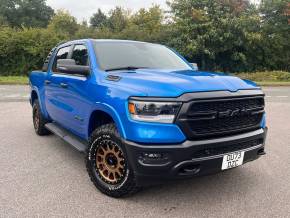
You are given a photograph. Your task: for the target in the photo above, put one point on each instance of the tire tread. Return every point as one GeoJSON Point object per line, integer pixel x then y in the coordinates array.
{"type": "Point", "coordinates": [131, 186]}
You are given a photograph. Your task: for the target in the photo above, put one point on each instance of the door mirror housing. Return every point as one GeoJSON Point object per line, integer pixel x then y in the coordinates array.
{"type": "Point", "coordinates": [69, 66]}
{"type": "Point", "coordinates": [194, 66]}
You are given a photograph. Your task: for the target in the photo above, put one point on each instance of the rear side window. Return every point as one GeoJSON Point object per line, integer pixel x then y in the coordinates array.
{"type": "Point", "coordinates": [61, 54]}
{"type": "Point", "coordinates": [80, 55]}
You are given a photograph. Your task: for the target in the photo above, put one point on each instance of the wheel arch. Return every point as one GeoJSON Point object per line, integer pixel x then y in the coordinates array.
{"type": "Point", "coordinates": [34, 94]}
{"type": "Point", "coordinates": [33, 97]}
{"type": "Point", "coordinates": [104, 114]}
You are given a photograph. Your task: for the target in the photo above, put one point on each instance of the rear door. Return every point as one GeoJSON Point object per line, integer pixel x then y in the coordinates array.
{"type": "Point", "coordinates": [54, 90]}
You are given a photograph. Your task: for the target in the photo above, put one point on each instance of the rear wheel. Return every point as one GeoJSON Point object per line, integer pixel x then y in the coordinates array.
{"type": "Point", "coordinates": [38, 120]}
{"type": "Point", "coordinates": [107, 163]}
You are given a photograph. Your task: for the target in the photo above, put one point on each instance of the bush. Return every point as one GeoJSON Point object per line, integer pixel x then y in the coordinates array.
{"type": "Point", "coordinates": [24, 50]}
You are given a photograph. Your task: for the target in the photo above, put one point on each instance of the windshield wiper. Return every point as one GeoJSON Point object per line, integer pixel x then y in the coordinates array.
{"type": "Point", "coordinates": [125, 68]}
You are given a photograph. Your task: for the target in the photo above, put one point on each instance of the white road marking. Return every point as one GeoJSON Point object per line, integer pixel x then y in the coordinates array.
{"type": "Point", "coordinates": [12, 96]}
{"type": "Point", "coordinates": [282, 96]}
{"type": "Point", "coordinates": [268, 96]}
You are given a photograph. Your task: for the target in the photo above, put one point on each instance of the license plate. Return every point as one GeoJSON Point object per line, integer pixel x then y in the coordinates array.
{"type": "Point", "coordinates": [232, 160]}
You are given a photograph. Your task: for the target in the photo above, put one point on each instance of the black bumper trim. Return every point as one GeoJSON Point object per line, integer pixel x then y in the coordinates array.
{"type": "Point", "coordinates": [180, 156]}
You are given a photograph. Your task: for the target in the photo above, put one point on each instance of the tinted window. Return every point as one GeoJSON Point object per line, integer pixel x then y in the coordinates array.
{"type": "Point", "coordinates": [137, 54]}
{"type": "Point", "coordinates": [61, 54]}
{"type": "Point", "coordinates": [80, 55]}
{"type": "Point", "coordinates": [47, 60]}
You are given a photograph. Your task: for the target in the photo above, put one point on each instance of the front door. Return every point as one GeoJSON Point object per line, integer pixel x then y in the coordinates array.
{"type": "Point", "coordinates": [76, 94]}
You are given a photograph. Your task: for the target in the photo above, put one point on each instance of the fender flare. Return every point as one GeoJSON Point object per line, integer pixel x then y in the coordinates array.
{"type": "Point", "coordinates": [113, 113]}
{"type": "Point", "coordinates": [35, 89]}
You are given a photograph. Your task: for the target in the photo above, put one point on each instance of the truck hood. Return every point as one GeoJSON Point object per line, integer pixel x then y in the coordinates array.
{"type": "Point", "coordinates": [172, 83]}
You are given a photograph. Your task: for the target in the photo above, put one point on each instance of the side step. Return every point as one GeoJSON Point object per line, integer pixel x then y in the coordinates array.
{"type": "Point", "coordinates": [77, 143]}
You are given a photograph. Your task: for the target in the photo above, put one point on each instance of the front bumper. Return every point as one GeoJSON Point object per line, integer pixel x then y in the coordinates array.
{"type": "Point", "coordinates": [159, 163]}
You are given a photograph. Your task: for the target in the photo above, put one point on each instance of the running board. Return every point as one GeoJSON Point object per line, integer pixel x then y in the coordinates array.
{"type": "Point", "coordinates": [74, 141]}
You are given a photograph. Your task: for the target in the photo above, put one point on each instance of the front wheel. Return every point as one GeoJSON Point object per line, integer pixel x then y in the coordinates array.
{"type": "Point", "coordinates": [107, 163]}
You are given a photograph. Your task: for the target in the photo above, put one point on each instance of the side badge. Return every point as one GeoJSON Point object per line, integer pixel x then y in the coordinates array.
{"type": "Point", "coordinates": [113, 78]}
{"type": "Point", "coordinates": [78, 118]}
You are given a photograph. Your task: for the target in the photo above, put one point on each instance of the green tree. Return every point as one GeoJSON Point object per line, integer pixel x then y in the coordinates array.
{"type": "Point", "coordinates": [98, 19]}
{"type": "Point", "coordinates": [150, 20]}
{"type": "Point", "coordinates": [118, 19]}
{"type": "Point", "coordinates": [145, 25]}
{"type": "Point", "coordinates": [276, 34]}
{"type": "Point", "coordinates": [213, 33]}
{"type": "Point", "coordinates": [63, 23]}
{"type": "Point", "coordinates": [27, 13]}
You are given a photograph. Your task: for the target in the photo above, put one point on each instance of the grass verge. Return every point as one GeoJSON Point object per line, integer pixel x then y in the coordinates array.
{"type": "Point", "coordinates": [267, 78]}
{"type": "Point", "coordinates": [13, 80]}
{"type": "Point", "coordinates": [268, 83]}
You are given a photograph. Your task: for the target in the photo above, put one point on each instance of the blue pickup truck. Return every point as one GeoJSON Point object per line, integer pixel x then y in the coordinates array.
{"type": "Point", "coordinates": [143, 115]}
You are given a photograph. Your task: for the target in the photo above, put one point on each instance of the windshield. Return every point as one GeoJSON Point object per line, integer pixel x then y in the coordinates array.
{"type": "Point", "coordinates": [117, 55]}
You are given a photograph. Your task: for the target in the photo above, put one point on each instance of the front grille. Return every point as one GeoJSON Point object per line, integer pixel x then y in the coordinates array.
{"type": "Point", "coordinates": [216, 150]}
{"type": "Point", "coordinates": [221, 117]}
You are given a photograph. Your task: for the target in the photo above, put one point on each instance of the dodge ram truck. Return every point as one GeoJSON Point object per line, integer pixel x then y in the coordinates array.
{"type": "Point", "coordinates": [143, 115]}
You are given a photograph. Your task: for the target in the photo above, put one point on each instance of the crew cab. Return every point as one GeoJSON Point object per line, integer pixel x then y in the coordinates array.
{"type": "Point", "coordinates": [143, 115]}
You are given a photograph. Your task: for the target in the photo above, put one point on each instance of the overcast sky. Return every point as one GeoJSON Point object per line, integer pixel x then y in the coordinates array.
{"type": "Point", "coordinates": [85, 8]}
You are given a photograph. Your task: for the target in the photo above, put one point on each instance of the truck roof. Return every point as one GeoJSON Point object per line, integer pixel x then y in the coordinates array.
{"type": "Point", "coordinates": [98, 40]}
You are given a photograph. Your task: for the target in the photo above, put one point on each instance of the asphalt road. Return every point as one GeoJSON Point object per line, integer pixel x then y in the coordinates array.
{"type": "Point", "coordinates": [45, 177]}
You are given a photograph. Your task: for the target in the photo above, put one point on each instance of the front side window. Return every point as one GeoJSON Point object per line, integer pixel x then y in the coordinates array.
{"type": "Point", "coordinates": [61, 54]}
{"type": "Point", "coordinates": [127, 54]}
{"type": "Point", "coordinates": [80, 55]}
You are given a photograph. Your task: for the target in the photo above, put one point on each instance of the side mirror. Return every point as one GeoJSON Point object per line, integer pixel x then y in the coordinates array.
{"type": "Point", "coordinates": [194, 66]}
{"type": "Point", "coordinates": [69, 66]}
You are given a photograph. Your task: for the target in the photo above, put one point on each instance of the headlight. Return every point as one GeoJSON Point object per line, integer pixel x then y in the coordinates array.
{"type": "Point", "coordinates": [158, 112]}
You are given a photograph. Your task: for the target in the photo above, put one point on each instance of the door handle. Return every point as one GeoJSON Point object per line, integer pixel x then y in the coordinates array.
{"type": "Point", "coordinates": [63, 85]}
{"type": "Point", "coordinates": [47, 82]}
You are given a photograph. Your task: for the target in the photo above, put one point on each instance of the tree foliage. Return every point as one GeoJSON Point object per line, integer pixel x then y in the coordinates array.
{"type": "Point", "coordinates": [275, 33]}
{"type": "Point", "coordinates": [28, 13]}
{"type": "Point", "coordinates": [25, 49]}
{"type": "Point", "coordinates": [118, 19]}
{"type": "Point", "coordinates": [99, 19]}
{"type": "Point", "coordinates": [63, 23]}
{"type": "Point", "coordinates": [223, 35]}
{"type": "Point", "coordinates": [215, 33]}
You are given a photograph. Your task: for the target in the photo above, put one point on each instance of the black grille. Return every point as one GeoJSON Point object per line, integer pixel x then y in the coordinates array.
{"type": "Point", "coordinates": [216, 150]}
{"type": "Point", "coordinates": [211, 118]}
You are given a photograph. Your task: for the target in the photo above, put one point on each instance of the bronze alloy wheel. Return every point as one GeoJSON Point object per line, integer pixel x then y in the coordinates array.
{"type": "Point", "coordinates": [107, 163]}
{"type": "Point", "coordinates": [110, 162]}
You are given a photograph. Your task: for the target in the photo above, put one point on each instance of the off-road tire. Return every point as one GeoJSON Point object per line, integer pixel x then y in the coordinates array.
{"type": "Point", "coordinates": [127, 186]}
{"type": "Point", "coordinates": [38, 120]}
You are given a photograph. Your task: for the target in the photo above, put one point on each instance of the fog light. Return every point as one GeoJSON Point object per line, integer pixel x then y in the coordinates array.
{"type": "Point", "coordinates": [153, 155]}
{"type": "Point", "coordinates": [153, 159]}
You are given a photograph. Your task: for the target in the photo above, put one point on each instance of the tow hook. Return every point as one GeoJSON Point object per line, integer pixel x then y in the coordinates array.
{"type": "Point", "coordinates": [261, 152]}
